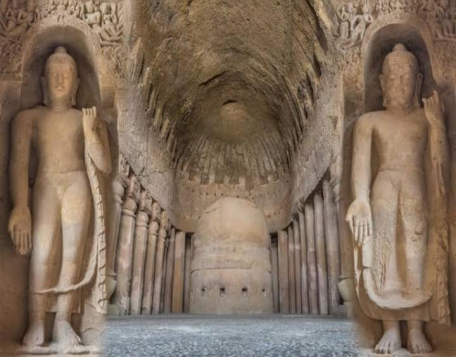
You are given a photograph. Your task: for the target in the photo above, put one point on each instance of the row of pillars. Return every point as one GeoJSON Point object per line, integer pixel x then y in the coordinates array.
{"type": "Point", "coordinates": [306, 258]}
{"type": "Point", "coordinates": [150, 259]}
{"type": "Point", "coordinates": [146, 260]}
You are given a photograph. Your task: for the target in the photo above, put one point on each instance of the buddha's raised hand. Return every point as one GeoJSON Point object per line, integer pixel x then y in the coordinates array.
{"type": "Point", "coordinates": [20, 228]}
{"type": "Point", "coordinates": [89, 118]}
{"type": "Point", "coordinates": [359, 217]}
{"type": "Point", "coordinates": [433, 108]}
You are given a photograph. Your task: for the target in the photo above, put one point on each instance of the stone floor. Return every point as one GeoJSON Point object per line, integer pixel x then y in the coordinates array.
{"type": "Point", "coordinates": [239, 336]}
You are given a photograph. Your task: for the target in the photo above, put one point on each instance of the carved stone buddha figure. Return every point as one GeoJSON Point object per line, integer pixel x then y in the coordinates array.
{"type": "Point", "coordinates": [72, 149]}
{"type": "Point", "coordinates": [398, 216]}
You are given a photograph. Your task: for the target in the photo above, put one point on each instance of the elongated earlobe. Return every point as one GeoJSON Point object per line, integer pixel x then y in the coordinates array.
{"type": "Point", "coordinates": [419, 83]}
{"type": "Point", "coordinates": [45, 92]}
{"type": "Point", "coordinates": [382, 85]}
{"type": "Point", "coordinates": [75, 90]}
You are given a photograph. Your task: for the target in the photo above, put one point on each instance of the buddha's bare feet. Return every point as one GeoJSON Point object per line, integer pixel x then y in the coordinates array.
{"type": "Point", "coordinates": [391, 339]}
{"type": "Point", "coordinates": [417, 342]}
{"type": "Point", "coordinates": [64, 334]}
{"type": "Point", "coordinates": [35, 335]}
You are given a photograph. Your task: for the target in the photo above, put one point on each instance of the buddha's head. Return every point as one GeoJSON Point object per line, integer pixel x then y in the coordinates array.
{"type": "Point", "coordinates": [60, 81]}
{"type": "Point", "coordinates": [400, 79]}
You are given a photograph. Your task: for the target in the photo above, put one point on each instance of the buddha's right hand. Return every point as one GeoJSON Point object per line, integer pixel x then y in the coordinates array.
{"type": "Point", "coordinates": [20, 228]}
{"type": "Point", "coordinates": [359, 217]}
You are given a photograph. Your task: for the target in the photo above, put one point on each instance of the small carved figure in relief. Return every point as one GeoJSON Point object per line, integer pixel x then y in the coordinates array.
{"type": "Point", "coordinates": [359, 25]}
{"type": "Point", "coordinates": [433, 13]}
{"type": "Point", "coordinates": [92, 15]}
{"type": "Point", "coordinates": [15, 21]}
{"type": "Point", "coordinates": [352, 25]}
{"type": "Point", "coordinates": [72, 150]}
{"type": "Point", "coordinates": [346, 15]}
{"type": "Point", "coordinates": [111, 32]}
{"type": "Point", "coordinates": [382, 6]}
{"type": "Point", "coordinates": [400, 227]}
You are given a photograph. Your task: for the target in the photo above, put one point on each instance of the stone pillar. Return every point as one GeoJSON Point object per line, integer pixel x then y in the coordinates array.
{"type": "Point", "coordinates": [165, 266]}
{"type": "Point", "coordinates": [114, 215]}
{"type": "Point", "coordinates": [149, 273]}
{"type": "Point", "coordinates": [179, 273]}
{"type": "Point", "coordinates": [322, 270]}
{"type": "Point", "coordinates": [125, 250]}
{"type": "Point", "coordinates": [311, 259]}
{"type": "Point", "coordinates": [169, 272]}
{"type": "Point", "coordinates": [188, 270]}
{"type": "Point", "coordinates": [291, 270]}
{"type": "Point", "coordinates": [275, 276]}
{"type": "Point", "coordinates": [159, 264]}
{"type": "Point", "coordinates": [297, 261]}
{"type": "Point", "coordinates": [332, 246]}
{"type": "Point", "coordinates": [139, 256]}
{"type": "Point", "coordinates": [304, 281]}
{"type": "Point", "coordinates": [284, 298]}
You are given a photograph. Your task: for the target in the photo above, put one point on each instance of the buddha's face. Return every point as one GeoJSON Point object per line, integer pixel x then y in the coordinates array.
{"type": "Point", "coordinates": [60, 81]}
{"type": "Point", "coordinates": [399, 84]}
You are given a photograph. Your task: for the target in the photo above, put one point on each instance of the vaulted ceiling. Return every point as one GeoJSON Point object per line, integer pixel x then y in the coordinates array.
{"type": "Point", "coordinates": [226, 87]}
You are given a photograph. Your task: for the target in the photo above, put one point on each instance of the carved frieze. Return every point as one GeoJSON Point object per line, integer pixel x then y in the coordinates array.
{"type": "Point", "coordinates": [354, 18]}
{"type": "Point", "coordinates": [105, 19]}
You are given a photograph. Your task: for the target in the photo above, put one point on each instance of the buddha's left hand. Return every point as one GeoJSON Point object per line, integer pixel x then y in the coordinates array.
{"type": "Point", "coordinates": [433, 109]}
{"type": "Point", "coordinates": [89, 119]}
